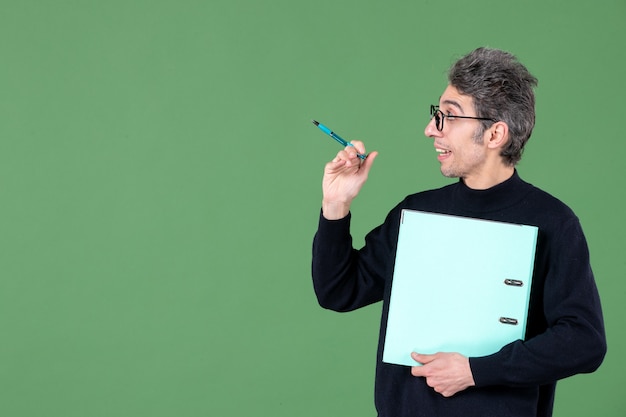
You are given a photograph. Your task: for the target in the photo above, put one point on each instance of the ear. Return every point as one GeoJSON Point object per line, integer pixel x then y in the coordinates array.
{"type": "Point", "coordinates": [497, 135]}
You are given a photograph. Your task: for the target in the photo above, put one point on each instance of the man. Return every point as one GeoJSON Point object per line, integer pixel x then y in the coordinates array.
{"type": "Point", "coordinates": [483, 120]}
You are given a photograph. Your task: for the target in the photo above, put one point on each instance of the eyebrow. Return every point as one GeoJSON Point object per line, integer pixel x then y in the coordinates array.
{"type": "Point", "coordinates": [454, 103]}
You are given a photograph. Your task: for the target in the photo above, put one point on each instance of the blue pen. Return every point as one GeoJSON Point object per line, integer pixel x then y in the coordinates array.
{"type": "Point", "coordinates": [336, 137]}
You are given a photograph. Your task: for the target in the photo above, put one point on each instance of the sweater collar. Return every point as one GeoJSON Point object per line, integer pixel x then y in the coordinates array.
{"type": "Point", "coordinates": [500, 196]}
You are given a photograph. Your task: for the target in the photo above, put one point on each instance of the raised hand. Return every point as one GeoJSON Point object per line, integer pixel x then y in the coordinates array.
{"type": "Point", "coordinates": [344, 177]}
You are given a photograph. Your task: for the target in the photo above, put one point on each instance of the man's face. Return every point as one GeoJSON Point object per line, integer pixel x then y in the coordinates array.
{"type": "Point", "coordinates": [461, 153]}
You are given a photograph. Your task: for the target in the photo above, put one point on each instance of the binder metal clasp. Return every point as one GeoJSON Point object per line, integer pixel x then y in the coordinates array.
{"type": "Point", "coordinates": [513, 282]}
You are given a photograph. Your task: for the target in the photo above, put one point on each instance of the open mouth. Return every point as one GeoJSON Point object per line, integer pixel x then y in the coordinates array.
{"type": "Point", "coordinates": [442, 151]}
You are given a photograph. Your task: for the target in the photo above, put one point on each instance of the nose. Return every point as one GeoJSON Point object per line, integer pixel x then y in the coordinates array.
{"type": "Point", "coordinates": [431, 130]}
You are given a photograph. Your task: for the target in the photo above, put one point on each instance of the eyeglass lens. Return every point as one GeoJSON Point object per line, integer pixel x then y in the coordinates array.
{"type": "Point", "coordinates": [435, 112]}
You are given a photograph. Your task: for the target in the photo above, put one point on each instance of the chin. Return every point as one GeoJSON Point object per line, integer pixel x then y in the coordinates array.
{"type": "Point", "coordinates": [449, 173]}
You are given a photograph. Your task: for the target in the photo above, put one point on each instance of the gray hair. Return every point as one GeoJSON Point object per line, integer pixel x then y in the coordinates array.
{"type": "Point", "coordinates": [502, 89]}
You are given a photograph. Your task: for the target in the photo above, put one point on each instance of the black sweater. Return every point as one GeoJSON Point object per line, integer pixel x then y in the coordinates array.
{"type": "Point", "coordinates": [565, 330]}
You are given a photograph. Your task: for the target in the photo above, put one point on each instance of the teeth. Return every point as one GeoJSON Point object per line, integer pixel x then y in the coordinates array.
{"type": "Point", "coordinates": [441, 150]}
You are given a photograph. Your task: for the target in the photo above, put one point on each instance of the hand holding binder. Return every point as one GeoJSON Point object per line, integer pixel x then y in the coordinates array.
{"type": "Point", "coordinates": [459, 285]}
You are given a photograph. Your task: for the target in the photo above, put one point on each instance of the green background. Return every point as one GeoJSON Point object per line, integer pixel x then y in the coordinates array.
{"type": "Point", "coordinates": [160, 187]}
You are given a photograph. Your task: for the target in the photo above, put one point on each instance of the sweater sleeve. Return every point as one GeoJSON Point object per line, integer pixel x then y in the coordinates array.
{"type": "Point", "coordinates": [344, 278]}
{"type": "Point", "coordinates": [573, 340]}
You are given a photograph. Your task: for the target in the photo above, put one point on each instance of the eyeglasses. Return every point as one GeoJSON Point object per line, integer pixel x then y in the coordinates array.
{"type": "Point", "coordinates": [439, 116]}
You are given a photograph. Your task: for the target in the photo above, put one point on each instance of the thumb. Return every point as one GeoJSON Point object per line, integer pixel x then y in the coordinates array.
{"type": "Point", "coordinates": [369, 161]}
{"type": "Point", "coordinates": [423, 359]}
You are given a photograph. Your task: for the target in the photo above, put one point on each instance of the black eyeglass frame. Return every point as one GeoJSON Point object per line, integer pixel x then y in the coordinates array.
{"type": "Point", "coordinates": [440, 116]}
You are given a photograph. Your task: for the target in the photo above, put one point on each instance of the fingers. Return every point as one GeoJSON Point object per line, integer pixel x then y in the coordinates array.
{"type": "Point", "coordinates": [350, 153]}
{"type": "Point", "coordinates": [421, 370]}
{"type": "Point", "coordinates": [348, 159]}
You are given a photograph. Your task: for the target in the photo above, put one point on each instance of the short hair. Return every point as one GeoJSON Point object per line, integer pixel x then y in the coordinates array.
{"type": "Point", "coordinates": [502, 89]}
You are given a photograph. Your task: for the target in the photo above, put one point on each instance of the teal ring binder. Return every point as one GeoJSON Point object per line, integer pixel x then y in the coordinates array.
{"type": "Point", "coordinates": [428, 290]}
